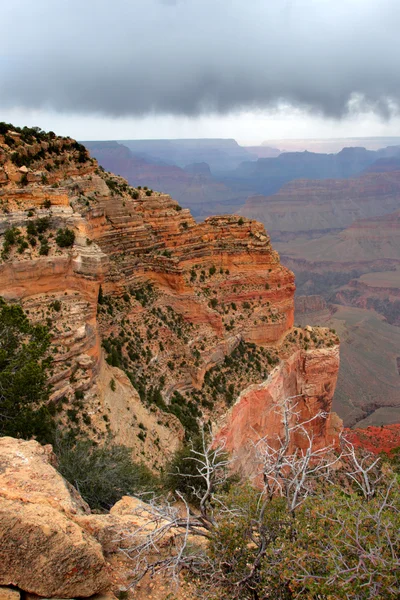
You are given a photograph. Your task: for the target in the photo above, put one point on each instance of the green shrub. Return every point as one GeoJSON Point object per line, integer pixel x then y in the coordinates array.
{"type": "Point", "coordinates": [101, 475]}
{"type": "Point", "coordinates": [44, 248]}
{"type": "Point", "coordinates": [31, 228]}
{"type": "Point", "coordinates": [65, 238]}
{"type": "Point", "coordinates": [23, 365]}
{"type": "Point", "coordinates": [23, 244]}
{"type": "Point", "coordinates": [42, 224]}
{"type": "Point", "coordinates": [11, 235]}
{"type": "Point", "coordinates": [56, 305]}
{"type": "Point", "coordinates": [214, 303]}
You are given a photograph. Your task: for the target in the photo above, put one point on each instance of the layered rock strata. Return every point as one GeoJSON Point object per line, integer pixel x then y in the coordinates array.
{"type": "Point", "coordinates": [192, 313]}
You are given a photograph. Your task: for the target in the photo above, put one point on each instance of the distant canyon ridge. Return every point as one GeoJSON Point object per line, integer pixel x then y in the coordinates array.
{"type": "Point", "coordinates": [334, 215]}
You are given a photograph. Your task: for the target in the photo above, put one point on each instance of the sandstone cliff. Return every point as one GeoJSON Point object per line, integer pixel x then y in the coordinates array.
{"type": "Point", "coordinates": [158, 322]}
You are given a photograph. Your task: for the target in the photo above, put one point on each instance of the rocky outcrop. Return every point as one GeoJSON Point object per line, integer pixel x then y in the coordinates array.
{"type": "Point", "coordinates": [303, 385]}
{"type": "Point", "coordinates": [51, 545]}
{"type": "Point", "coordinates": [42, 549]}
{"type": "Point", "coordinates": [43, 552]}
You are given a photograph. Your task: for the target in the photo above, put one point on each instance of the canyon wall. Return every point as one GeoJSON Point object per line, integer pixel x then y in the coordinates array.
{"type": "Point", "coordinates": [158, 323]}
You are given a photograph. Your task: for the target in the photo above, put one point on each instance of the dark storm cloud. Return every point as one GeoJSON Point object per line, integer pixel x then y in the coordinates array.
{"type": "Point", "coordinates": [132, 57]}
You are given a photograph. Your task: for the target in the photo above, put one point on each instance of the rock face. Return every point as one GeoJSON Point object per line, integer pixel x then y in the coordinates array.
{"type": "Point", "coordinates": [157, 321]}
{"type": "Point", "coordinates": [308, 379]}
{"type": "Point", "coordinates": [42, 549]}
{"type": "Point", "coordinates": [50, 543]}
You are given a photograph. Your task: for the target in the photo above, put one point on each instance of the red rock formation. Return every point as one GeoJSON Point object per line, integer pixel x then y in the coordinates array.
{"type": "Point", "coordinates": [308, 380]}
{"type": "Point", "coordinates": [179, 296]}
{"type": "Point", "coordinates": [375, 439]}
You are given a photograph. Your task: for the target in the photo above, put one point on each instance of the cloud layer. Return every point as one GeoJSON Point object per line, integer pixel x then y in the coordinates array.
{"type": "Point", "coordinates": [192, 57]}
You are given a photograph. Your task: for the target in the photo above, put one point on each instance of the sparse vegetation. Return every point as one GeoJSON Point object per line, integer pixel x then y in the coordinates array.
{"type": "Point", "coordinates": [23, 366]}
{"type": "Point", "coordinates": [101, 474]}
{"type": "Point", "coordinates": [65, 238]}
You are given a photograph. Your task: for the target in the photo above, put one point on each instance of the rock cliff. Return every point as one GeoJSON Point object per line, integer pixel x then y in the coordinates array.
{"type": "Point", "coordinates": [158, 323]}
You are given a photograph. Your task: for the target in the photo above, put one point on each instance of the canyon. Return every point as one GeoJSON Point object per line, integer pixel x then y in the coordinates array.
{"type": "Point", "coordinates": [159, 326]}
{"type": "Point", "coordinates": [339, 237]}
{"type": "Point", "coordinates": [158, 323]}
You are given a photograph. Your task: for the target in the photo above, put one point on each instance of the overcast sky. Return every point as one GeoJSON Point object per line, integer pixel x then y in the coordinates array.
{"type": "Point", "coordinates": [249, 69]}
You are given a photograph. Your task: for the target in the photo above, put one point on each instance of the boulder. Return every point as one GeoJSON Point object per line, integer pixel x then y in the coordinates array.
{"type": "Point", "coordinates": [44, 552]}
{"type": "Point", "coordinates": [7, 593]}
{"type": "Point", "coordinates": [27, 473]}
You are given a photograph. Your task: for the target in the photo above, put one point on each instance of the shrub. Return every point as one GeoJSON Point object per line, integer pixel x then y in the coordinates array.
{"type": "Point", "coordinates": [101, 475]}
{"type": "Point", "coordinates": [10, 236]}
{"type": "Point", "coordinates": [47, 203]}
{"type": "Point", "coordinates": [31, 228]}
{"type": "Point", "coordinates": [23, 244]}
{"type": "Point", "coordinates": [56, 305]}
{"type": "Point", "coordinates": [23, 366]}
{"type": "Point", "coordinates": [65, 238]}
{"type": "Point", "coordinates": [44, 248]}
{"type": "Point", "coordinates": [213, 302]}
{"type": "Point", "coordinates": [148, 192]}
{"type": "Point", "coordinates": [42, 224]}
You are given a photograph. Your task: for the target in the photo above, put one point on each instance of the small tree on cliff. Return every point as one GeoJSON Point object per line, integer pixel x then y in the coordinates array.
{"type": "Point", "coordinates": [23, 388]}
